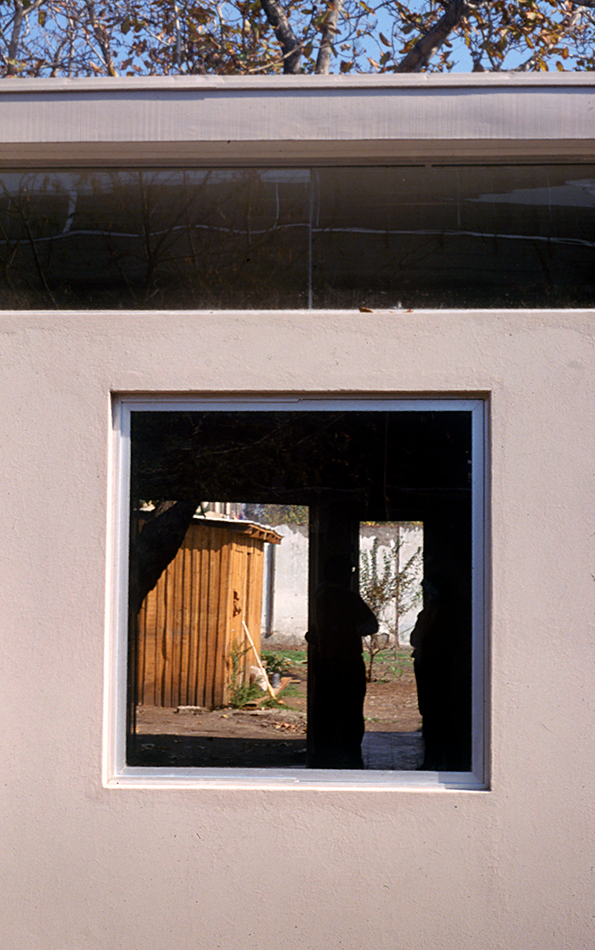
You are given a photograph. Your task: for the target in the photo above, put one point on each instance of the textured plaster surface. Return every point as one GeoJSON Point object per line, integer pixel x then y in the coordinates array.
{"type": "Point", "coordinates": [92, 868]}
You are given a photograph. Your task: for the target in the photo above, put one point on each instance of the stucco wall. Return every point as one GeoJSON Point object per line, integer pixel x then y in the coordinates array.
{"type": "Point", "coordinates": [94, 868]}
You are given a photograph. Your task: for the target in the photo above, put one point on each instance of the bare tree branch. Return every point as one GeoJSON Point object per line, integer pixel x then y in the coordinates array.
{"type": "Point", "coordinates": [20, 16]}
{"type": "Point", "coordinates": [430, 43]}
{"type": "Point", "coordinates": [288, 41]}
{"type": "Point", "coordinates": [102, 38]}
{"type": "Point", "coordinates": [323, 61]}
{"type": "Point", "coordinates": [84, 37]}
{"type": "Point", "coordinates": [272, 62]}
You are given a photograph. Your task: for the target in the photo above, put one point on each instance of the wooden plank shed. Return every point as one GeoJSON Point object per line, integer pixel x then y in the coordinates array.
{"type": "Point", "coordinates": [191, 623]}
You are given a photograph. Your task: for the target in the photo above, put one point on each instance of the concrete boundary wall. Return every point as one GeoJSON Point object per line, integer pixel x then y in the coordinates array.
{"type": "Point", "coordinates": [285, 610]}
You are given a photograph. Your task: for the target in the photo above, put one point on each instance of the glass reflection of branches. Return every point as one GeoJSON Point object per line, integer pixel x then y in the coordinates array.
{"type": "Point", "coordinates": [154, 239]}
{"type": "Point", "coordinates": [373, 238]}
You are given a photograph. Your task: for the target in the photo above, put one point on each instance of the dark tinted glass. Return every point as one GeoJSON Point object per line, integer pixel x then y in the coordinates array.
{"type": "Point", "coordinates": [197, 584]}
{"type": "Point", "coordinates": [501, 236]}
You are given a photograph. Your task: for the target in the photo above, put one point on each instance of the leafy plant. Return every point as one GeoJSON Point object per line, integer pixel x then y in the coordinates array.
{"type": "Point", "coordinates": [240, 691]}
{"type": "Point", "coordinates": [382, 585]}
{"type": "Point", "coordinates": [278, 514]}
{"type": "Point", "coordinates": [270, 703]}
{"type": "Point", "coordinates": [401, 663]}
{"type": "Point", "coordinates": [275, 663]}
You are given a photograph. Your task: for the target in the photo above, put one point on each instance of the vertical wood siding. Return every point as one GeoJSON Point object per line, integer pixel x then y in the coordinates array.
{"type": "Point", "coordinates": [187, 627]}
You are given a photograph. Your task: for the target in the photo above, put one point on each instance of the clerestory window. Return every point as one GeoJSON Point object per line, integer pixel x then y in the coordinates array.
{"type": "Point", "coordinates": [395, 238]}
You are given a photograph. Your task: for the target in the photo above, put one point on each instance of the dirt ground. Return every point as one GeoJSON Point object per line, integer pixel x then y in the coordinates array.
{"type": "Point", "coordinates": [263, 738]}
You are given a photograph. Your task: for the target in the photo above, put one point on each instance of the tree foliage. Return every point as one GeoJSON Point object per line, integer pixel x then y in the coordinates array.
{"type": "Point", "coordinates": [277, 514]}
{"type": "Point", "coordinates": [46, 38]}
{"type": "Point", "coordinates": [389, 592]}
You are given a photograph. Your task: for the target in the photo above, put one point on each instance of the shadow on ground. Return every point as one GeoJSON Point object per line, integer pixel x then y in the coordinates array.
{"type": "Point", "coordinates": [391, 751]}
{"type": "Point", "coordinates": [218, 752]}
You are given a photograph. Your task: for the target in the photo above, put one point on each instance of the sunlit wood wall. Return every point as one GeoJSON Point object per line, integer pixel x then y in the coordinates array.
{"type": "Point", "coordinates": [190, 623]}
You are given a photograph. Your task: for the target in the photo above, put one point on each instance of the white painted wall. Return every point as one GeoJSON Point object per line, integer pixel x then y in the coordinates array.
{"type": "Point", "coordinates": [230, 120]}
{"type": "Point", "coordinates": [403, 543]}
{"type": "Point", "coordinates": [290, 573]}
{"type": "Point", "coordinates": [290, 592]}
{"type": "Point", "coordinates": [94, 868]}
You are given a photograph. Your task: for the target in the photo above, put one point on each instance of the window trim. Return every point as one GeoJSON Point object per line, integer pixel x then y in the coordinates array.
{"type": "Point", "coordinates": [117, 774]}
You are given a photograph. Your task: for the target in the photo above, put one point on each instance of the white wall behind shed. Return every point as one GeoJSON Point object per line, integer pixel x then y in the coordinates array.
{"type": "Point", "coordinates": [287, 595]}
{"type": "Point", "coordinates": [290, 589]}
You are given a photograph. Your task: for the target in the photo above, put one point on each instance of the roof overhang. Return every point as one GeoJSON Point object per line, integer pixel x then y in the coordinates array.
{"type": "Point", "coordinates": [287, 120]}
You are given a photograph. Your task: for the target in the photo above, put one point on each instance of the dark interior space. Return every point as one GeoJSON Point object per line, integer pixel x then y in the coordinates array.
{"type": "Point", "coordinates": [348, 466]}
{"type": "Point", "coordinates": [379, 237]}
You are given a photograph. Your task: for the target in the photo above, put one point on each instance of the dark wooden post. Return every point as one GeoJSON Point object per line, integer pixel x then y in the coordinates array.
{"type": "Point", "coordinates": [334, 529]}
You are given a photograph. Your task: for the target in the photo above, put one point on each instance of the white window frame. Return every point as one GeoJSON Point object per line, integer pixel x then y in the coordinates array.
{"type": "Point", "coordinates": [118, 774]}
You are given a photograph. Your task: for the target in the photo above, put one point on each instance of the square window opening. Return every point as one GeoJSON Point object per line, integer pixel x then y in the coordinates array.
{"type": "Point", "coordinates": [380, 504]}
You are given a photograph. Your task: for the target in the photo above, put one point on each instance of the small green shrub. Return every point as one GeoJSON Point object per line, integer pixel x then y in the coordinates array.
{"type": "Point", "coordinates": [275, 663]}
{"type": "Point", "coordinates": [270, 703]}
{"type": "Point", "coordinates": [240, 692]}
{"type": "Point", "coordinates": [243, 694]}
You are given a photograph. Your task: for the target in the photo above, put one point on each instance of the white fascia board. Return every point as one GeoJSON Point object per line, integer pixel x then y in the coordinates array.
{"type": "Point", "coordinates": [292, 119]}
